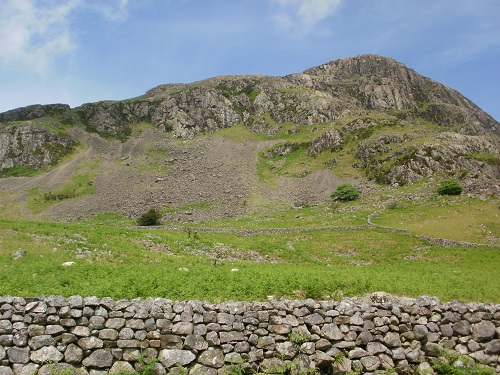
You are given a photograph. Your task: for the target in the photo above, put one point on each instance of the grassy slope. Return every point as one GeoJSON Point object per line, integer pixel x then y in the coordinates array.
{"type": "Point", "coordinates": [129, 262]}
{"type": "Point", "coordinates": [114, 259]}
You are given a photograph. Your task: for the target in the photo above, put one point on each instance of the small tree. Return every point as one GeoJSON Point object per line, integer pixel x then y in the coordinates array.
{"type": "Point", "coordinates": [152, 217]}
{"type": "Point", "coordinates": [449, 186]}
{"type": "Point", "coordinates": [345, 193]}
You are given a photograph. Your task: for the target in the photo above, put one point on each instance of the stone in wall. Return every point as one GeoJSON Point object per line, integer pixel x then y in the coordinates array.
{"type": "Point", "coordinates": [379, 332]}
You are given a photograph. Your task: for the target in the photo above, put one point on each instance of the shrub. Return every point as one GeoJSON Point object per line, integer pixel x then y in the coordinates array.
{"type": "Point", "coordinates": [345, 192]}
{"type": "Point", "coordinates": [449, 186]}
{"type": "Point", "coordinates": [152, 217]}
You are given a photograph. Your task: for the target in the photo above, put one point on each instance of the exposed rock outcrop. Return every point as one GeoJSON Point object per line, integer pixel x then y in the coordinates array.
{"type": "Point", "coordinates": [34, 111]}
{"type": "Point", "coordinates": [400, 126]}
{"type": "Point", "coordinates": [31, 145]}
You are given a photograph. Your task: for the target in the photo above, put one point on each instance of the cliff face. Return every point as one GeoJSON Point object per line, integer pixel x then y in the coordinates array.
{"type": "Point", "coordinates": [400, 125]}
{"type": "Point", "coordinates": [30, 144]}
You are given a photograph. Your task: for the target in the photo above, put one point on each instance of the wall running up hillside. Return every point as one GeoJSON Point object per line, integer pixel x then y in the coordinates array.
{"type": "Point", "coordinates": [373, 333]}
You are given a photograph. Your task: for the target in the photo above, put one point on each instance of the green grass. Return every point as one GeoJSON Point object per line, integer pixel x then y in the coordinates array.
{"type": "Point", "coordinates": [458, 218]}
{"type": "Point", "coordinates": [20, 171]}
{"type": "Point", "coordinates": [81, 183]}
{"type": "Point", "coordinates": [126, 262]}
{"type": "Point", "coordinates": [487, 158]}
{"type": "Point", "coordinates": [272, 215]}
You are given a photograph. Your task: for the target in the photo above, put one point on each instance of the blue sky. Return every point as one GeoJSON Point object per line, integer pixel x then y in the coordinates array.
{"type": "Point", "coordinates": [78, 51]}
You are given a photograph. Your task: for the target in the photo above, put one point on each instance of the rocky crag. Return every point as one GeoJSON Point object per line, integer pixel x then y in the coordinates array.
{"type": "Point", "coordinates": [372, 115]}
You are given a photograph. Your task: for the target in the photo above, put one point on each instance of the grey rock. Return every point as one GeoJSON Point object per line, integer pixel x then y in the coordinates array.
{"type": "Point", "coordinates": [322, 359]}
{"type": "Point", "coordinates": [89, 343]}
{"type": "Point", "coordinates": [493, 347]}
{"type": "Point", "coordinates": [364, 337]}
{"type": "Point", "coordinates": [100, 358]}
{"type": "Point", "coordinates": [272, 365]}
{"type": "Point", "coordinates": [286, 349]}
{"type": "Point", "coordinates": [202, 370]}
{"type": "Point", "coordinates": [126, 334]}
{"type": "Point", "coordinates": [414, 355]}
{"type": "Point", "coordinates": [212, 358]}
{"type": "Point", "coordinates": [6, 370]}
{"type": "Point", "coordinates": [171, 341]}
{"type": "Point", "coordinates": [242, 347]}
{"type": "Point", "coordinates": [46, 354]}
{"type": "Point", "coordinates": [386, 361]}
{"type": "Point", "coordinates": [234, 358]}
{"type": "Point", "coordinates": [172, 357]}
{"type": "Point", "coordinates": [76, 302]}
{"type": "Point", "coordinates": [20, 338]}
{"type": "Point", "coordinates": [38, 342]}
{"type": "Point", "coordinates": [314, 319]}
{"type": "Point", "coordinates": [18, 355]}
{"type": "Point", "coordinates": [357, 353]}
{"type": "Point", "coordinates": [266, 342]}
{"type": "Point", "coordinates": [68, 338]}
{"type": "Point", "coordinates": [225, 318]}
{"type": "Point", "coordinates": [425, 369]}
{"type": "Point", "coordinates": [58, 368]}
{"type": "Point", "coordinates": [446, 330]}
{"type": "Point", "coordinates": [108, 334]}
{"type": "Point", "coordinates": [473, 346]}
{"type": "Point", "coordinates": [115, 323]}
{"type": "Point", "coordinates": [483, 331]}
{"type": "Point", "coordinates": [135, 324]}
{"type": "Point", "coordinates": [29, 369]}
{"type": "Point", "coordinates": [279, 329]}
{"type": "Point", "coordinates": [420, 332]}
{"type": "Point", "coordinates": [183, 328]}
{"type": "Point", "coordinates": [121, 367]}
{"type": "Point", "coordinates": [81, 331]}
{"type": "Point", "coordinates": [433, 349]}
{"type": "Point", "coordinates": [73, 354]}
{"type": "Point", "coordinates": [370, 363]}
{"type": "Point", "coordinates": [35, 330]}
{"type": "Point", "coordinates": [375, 347]}
{"type": "Point", "coordinates": [332, 332]}
{"type": "Point", "coordinates": [196, 342]}
{"type": "Point", "coordinates": [323, 344]}
{"type": "Point", "coordinates": [97, 322]}
{"type": "Point", "coordinates": [461, 328]}
{"type": "Point", "coordinates": [3, 353]}
{"type": "Point", "coordinates": [398, 354]}
{"type": "Point", "coordinates": [233, 336]}
{"type": "Point", "coordinates": [392, 340]}
{"type": "Point", "coordinates": [6, 340]}
{"type": "Point", "coordinates": [5, 327]}
{"type": "Point", "coordinates": [130, 343]}
{"type": "Point", "coordinates": [54, 330]}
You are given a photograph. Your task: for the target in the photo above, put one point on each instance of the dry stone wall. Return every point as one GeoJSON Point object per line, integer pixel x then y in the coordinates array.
{"type": "Point", "coordinates": [377, 332]}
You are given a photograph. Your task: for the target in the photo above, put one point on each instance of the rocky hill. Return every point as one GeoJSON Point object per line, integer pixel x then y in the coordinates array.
{"type": "Point", "coordinates": [366, 119]}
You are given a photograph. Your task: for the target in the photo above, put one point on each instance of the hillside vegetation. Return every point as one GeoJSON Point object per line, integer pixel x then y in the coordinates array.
{"type": "Point", "coordinates": [241, 170]}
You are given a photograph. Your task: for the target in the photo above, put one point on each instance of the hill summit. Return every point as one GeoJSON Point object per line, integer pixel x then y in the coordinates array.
{"type": "Point", "coordinates": [230, 144]}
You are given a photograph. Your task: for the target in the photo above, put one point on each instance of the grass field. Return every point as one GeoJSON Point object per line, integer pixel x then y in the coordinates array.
{"type": "Point", "coordinates": [113, 258]}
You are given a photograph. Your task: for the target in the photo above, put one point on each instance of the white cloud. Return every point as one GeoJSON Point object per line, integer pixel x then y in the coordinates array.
{"type": "Point", "coordinates": [116, 11]}
{"type": "Point", "coordinates": [302, 16]}
{"type": "Point", "coordinates": [35, 33]}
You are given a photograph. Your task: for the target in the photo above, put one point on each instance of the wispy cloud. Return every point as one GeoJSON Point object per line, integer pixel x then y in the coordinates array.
{"type": "Point", "coordinates": [34, 34]}
{"type": "Point", "coordinates": [112, 10]}
{"type": "Point", "coordinates": [302, 16]}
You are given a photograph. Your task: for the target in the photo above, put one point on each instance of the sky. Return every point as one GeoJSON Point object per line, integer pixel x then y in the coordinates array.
{"type": "Point", "coordinates": [80, 51]}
